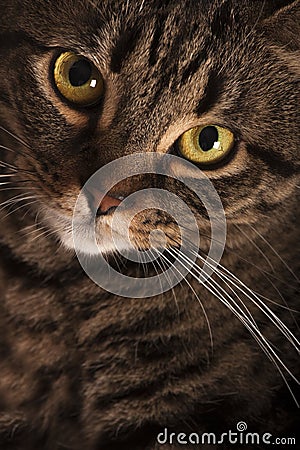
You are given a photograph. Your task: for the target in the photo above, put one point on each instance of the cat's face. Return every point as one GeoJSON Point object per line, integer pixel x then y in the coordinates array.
{"type": "Point", "coordinates": [82, 84]}
{"type": "Point", "coordinates": [147, 73]}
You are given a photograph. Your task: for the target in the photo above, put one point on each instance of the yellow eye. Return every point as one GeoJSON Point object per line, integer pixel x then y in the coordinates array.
{"type": "Point", "coordinates": [206, 145]}
{"type": "Point", "coordinates": [77, 79]}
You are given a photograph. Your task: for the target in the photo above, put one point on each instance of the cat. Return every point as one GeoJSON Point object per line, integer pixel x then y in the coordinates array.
{"type": "Point", "coordinates": [83, 83]}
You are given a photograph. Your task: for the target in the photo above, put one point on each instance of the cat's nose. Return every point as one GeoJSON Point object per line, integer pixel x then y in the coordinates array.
{"type": "Point", "coordinates": [107, 205]}
{"type": "Point", "coordinates": [103, 205]}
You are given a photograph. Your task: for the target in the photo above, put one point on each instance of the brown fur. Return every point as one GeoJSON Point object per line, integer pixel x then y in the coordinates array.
{"type": "Point", "coordinates": [80, 367]}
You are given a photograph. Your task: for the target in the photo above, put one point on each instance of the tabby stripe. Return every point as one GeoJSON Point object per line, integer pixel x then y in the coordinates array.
{"type": "Point", "coordinates": [212, 93]}
{"type": "Point", "coordinates": [124, 46]}
{"type": "Point", "coordinates": [36, 327]}
{"type": "Point", "coordinates": [168, 69]}
{"type": "Point", "coordinates": [11, 39]}
{"type": "Point", "coordinates": [275, 162]}
{"type": "Point", "coordinates": [266, 207]}
{"type": "Point", "coordinates": [238, 179]}
{"type": "Point", "coordinates": [155, 43]}
{"type": "Point", "coordinates": [193, 66]}
{"type": "Point", "coordinates": [222, 20]}
{"type": "Point", "coordinates": [182, 378]}
{"type": "Point", "coordinates": [4, 98]}
{"type": "Point", "coordinates": [32, 274]}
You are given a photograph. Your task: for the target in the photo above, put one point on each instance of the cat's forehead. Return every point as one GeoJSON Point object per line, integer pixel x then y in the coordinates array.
{"type": "Point", "coordinates": [107, 30]}
{"type": "Point", "coordinates": [79, 22]}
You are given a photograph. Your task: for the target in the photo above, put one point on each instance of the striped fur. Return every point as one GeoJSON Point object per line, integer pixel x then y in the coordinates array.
{"type": "Point", "coordinates": [80, 367]}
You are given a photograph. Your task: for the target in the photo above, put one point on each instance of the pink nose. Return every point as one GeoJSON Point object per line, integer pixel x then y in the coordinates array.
{"type": "Point", "coordinates": [107, 203]}
{"type": "Point", "coordinates": [102, 205]}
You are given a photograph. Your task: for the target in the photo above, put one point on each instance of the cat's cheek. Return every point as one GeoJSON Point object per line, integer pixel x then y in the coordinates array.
{"type": "Point", "coordinates": [237, 163]}
{"type": "Point", "coordinates": [90, 238]}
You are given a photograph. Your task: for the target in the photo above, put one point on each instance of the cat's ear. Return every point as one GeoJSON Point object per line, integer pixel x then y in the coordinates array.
{"type": "Point", "coordinates": [282, 26]}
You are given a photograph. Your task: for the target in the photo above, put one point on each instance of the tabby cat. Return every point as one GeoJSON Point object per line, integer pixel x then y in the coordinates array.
{"type": "Point", "coordinates": [83, 83]}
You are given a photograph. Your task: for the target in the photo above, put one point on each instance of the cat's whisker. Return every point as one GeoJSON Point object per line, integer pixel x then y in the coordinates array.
{"type": "Point", "coordinates": [36, 226]}
{"type": "Point", "coordinates": [252, 328]}
{"type": "Point", "coordinates": [114, 256]}
{"type": "Point", "coordinates": [32, 232]}
{"type": "Point", "coordinates": [6, 175]}
{"type": "Point", "coordinates": [152, 252]}
{"type": "Point", "coordinates": [46, 232]}
{"type": "Point", "coordinates": [118, 260]}
{"type": "Point", "coordinates": [159, 253]}
{"type": "Point", "coordinates": [267, 275]}
{"type": "Point", "coordinates": [18, 199]}
{"type": "Point", "coordinates": [219, 287]}
{"type": "Point", "coordinates": [20, 207]}
{"type": "Point", "coordinates": [275, 252]}
{"type": "Point", "coordinates": [276, 321]}
{"type": "Point", "coordinates": [198, 271]}
{"type": "Point", "coordinates": [15, 137]}
{"type": "Point", "coordinates": [210, 285]}
{"type": "Point", "coordinates": [28, 227]}
{"type": "Point", "coordinates": [19, 152]}
{"type": "Point", "coordinates": [14, 188]}
{"type": "Point", "coordinates": [15, 199]}
{"type": "Point", "coordinates": [6, 165]}
{"type": "Point", "coordinates": [264, 272]}
{"type": "Point", "coordinates": [256, 246]}
{"type": "Point", "coordinates": [145, 265]}
{"type": "Point", "coordinates": [281, 296]}
{"type": "Point", "coordinates": [16, 170]}
{"type": "Point", "coordinates": [256, 301]}
{"type": "Point", "coordinates": [199, 301]}
{"type": "Point", "coordinates": [267, 299]}
{"type": "Point", "coordinates": [15, 183]}
{"type": "Point", "coordinates": [12, 200]}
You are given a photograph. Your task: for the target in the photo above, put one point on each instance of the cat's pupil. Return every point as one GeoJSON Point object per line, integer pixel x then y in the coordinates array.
{"type": "Point", "coordinates": [80, 73]}
{"type": "Point", "coordinates": [208, 137]}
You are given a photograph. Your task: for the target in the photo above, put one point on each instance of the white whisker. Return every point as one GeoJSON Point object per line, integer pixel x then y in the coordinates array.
{"type": "Point", "coordinates": [256, 246]}
{"type": "Point", "coordinates": [256, 301]}
{"type": "Point", "coordinates": [275, 252]}
{"type": "Point", "coordinates": [14, 136]}
{"type": "Point", "coordinates": [20, 207]}
{"type": "Point", "coordinates": [200, 303]}
{"type": "Point", "coordinates": [240, 314]}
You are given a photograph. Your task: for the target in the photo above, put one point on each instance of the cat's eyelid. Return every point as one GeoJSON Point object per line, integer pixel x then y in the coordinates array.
{"type": "Point", "coordinates": [59, 50]}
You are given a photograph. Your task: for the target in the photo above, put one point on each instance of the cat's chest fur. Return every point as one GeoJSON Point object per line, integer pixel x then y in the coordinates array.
{"type": "Point", "coordinates": [108, 363]}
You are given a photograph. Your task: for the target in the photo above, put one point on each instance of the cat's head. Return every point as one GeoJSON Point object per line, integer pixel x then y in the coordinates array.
{"type": "Point", "coordinates": [83, 83]}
